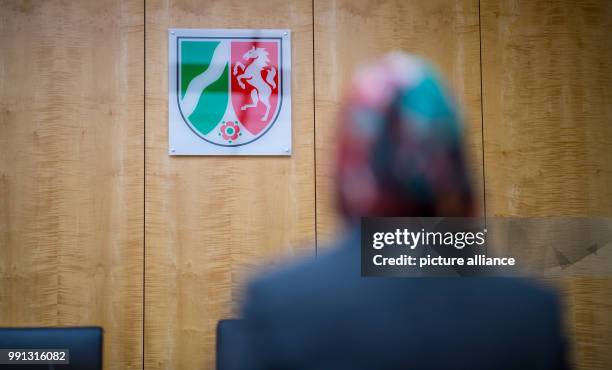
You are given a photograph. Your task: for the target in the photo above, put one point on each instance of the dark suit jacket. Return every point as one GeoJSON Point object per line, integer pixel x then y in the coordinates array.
{"type": "Point", "coordinates": [322, 315]}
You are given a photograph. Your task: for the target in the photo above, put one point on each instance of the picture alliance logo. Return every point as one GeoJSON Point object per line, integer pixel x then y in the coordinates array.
{"type": "Point", "coordinates": [417, 247]}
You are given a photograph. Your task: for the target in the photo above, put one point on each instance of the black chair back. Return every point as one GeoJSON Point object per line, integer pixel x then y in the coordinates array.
{"type": "Point", "coordinates": [230, 344]}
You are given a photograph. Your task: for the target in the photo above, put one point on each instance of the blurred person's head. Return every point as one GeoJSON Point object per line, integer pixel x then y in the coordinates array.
{"type": "Point", "coordinates": [401, 144]}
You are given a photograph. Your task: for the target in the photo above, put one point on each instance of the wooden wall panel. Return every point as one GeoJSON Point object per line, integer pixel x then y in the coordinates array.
{"type": "Point", "coordinates": [211, 220]}
{"type": "Point", "coordinates": [547, 85]}
{"type": "Point", "coordinates": [71, 169]}
{"type": "Point", "coordinates": [547, 95]}
{"type": "Point", "coordinates": [349, 32]}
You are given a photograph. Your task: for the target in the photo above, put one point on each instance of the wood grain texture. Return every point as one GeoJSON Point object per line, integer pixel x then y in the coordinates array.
{"type": "Point", "coordinates": [71, 173]}
{"type": "Point", "coordinates": [211, 220]}
{"type": "Point", "coordinates": [350, 32]}
{"type": "Point", "coordinates": [547, 98]}
{"type": "Point", "coordinates": [547, 85]}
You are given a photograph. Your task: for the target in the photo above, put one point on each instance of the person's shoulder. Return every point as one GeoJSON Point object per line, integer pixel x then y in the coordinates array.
{"type": "Point", "coordinates": [531, 310]}
{"type": "Point", "coordinates": [519, 298]}
{"type": "Point", "coordinates": [302, 275]}
{"type": "Point", "coordinates": [526, 289]}
{"type": "Point", "coordinates": [304, 281]}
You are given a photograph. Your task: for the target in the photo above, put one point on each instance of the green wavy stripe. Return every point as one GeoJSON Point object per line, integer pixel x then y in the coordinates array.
{"type": "Point", "coordinates": [195, 59]}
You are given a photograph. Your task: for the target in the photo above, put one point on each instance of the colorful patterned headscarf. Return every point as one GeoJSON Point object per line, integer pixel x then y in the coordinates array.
{"type": "Point", "coordinates": [401, 144]}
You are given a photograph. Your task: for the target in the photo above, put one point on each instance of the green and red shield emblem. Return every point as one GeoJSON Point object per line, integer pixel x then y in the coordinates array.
{"type": "Point", "coordinates": [229, 90]}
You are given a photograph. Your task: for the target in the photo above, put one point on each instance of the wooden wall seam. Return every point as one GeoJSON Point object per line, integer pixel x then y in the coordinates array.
{"type": "Point", "coordinates": [144, 177]}
{"type": "Point", "coordinates": [314, 128]}
{"type": "Point", "coordinates": [482, 141]}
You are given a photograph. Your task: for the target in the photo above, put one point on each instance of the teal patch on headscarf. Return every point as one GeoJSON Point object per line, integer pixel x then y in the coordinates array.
{"type": "Point", "coordinates": [428, 103]}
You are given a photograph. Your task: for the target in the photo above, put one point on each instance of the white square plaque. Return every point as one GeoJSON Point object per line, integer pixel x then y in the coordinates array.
{"type": "Point", "coordinates": [229, 92]}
